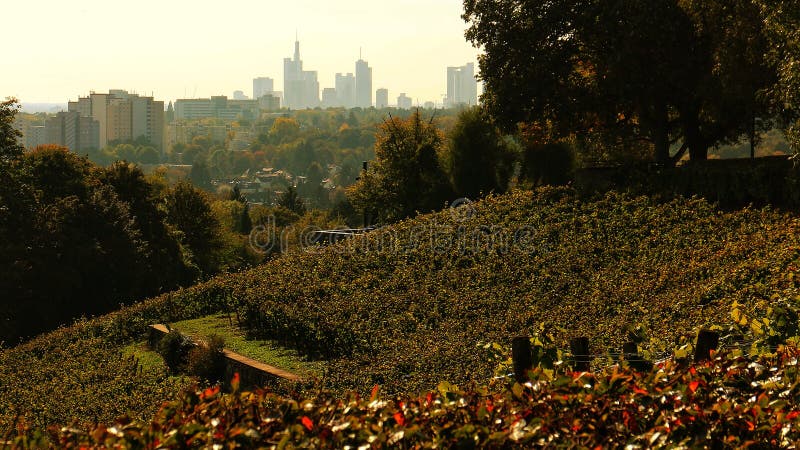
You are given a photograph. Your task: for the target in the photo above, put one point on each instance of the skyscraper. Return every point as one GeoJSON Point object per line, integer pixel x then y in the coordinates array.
{"type": "Point", "coordinates": [262, 86]}
{"type": "Point", "coordinates": [346, 90]}
{"type": "Point", "coordinates": [403, 101]}
{"type": "Point", "coordinates": [382, 98]}
{"type": "Point", "coordinates": [462, 86]}
{"type": "Point", "coordinates": [300, 87]}
{"type": "Point", "coordinates": [363, 84]}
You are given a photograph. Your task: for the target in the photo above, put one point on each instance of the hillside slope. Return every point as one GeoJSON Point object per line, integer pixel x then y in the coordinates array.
{"type": "Point", "coordinates": [407, 306]}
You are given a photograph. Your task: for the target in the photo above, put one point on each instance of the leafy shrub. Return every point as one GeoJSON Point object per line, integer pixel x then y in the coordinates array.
{"type": "Point", "coordinates": [730, 402]}
{"type": "Point", "coordinates": [551, 163]}
{"type": "Point", "coordinates": [174, 348]}
{"type": "Point", "coordinates": [206, 359]}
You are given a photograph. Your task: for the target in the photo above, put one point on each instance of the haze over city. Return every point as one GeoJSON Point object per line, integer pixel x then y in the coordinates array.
{"type": "Point", "coordinates": [191, 49]}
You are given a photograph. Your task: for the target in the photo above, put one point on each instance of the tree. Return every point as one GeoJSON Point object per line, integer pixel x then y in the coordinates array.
{"type": "Point", "coordinates": [406, 176]}
{"type": "Point", "coordinates": [200, 176]}
{"type": "Point", "coordinates": [782, 22]}
{"type": "Point", "coordinates": [292, 201]}
{"type": "Point", "coordinates": [477, 158]}
{"type": "Point", "coordinates": [189, 210]}
{"type": "Point", "coordinates": [10, 148]}
{"type": "Point", "coordinates": [163, 254]}
{"type": "Point", "coordinates": [662, 71]}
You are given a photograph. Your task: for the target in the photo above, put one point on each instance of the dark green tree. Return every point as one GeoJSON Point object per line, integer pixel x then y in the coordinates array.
{"type": "Point", "coordinates": [245, 223]}
{"type": "Point", "coordinates": [163, 254]}
{"type": "Point", "coordinates": [10, 147]}
{"type": "Point", "coordinates": [292, 201]}
{"type": "Point", "coordinates": [477, 157]}
{"type": "Point", "coordinates": [189, 211]}
{"type": "Point", "coordinates": [661, 71]}
{"type": "Point", "coordinates": [200, 176]}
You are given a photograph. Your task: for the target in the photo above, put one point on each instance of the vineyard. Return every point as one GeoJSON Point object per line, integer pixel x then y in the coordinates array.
{"type": "Point", "coordinates": [421, 302]}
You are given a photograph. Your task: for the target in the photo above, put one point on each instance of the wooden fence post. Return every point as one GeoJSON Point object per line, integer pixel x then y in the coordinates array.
{"type": "Point", "coordinates": [580, 353]}
{"type": "Point", "coordinates": [631, 353]}
{"type": "Point", "coordinates": [522, 357]}
{"type": "Point", "coordinates": [706, 342]}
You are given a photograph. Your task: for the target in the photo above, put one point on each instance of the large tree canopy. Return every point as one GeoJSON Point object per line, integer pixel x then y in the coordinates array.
{"type": "Point", "coordinates": [694, 72]}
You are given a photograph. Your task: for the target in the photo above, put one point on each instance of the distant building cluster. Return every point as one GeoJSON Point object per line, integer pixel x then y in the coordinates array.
{"type": "Point", "coordinates": [100, 119]}
{"type": "Point", "coordinates": [301, 88]}
{"type": "Point", "coordinates": [94, 121]}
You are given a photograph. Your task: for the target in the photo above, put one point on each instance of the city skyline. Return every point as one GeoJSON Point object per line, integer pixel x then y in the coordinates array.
{"type": "Point", "coordinates": [407, 45]}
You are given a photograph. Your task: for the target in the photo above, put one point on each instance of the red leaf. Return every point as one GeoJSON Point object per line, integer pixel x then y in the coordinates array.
{"type": "Point", "coordinates": [693, 386]}
{"type": "Point", "coordinates": [639, 390]}
{"type": "Point", "coordinates": [307, 423]}
{"type": "Point", "coordinates": [429, 399]}
{"type": "Point", "coordinates": [792, 415]}
{"type": "Point", "coordinates": [399, 418]}
{"type": "Point", "coordinates": [489, 405]}
{"type": "Point", "coordinates": [235, 381]}
{"type": "Point", "coordinates": [375, 390]}
{"type": "Point", "coordinates": [210, 392]}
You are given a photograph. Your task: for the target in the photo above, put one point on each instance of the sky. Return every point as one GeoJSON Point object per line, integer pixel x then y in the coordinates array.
{"type": "Point", "coordinates": [194, 49]}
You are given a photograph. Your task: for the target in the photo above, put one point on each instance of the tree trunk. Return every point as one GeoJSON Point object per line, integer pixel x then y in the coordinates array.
{"type": "Point", "coordinates": [698, 148]}
{"type": "Point", "coordinates": [661, 134]}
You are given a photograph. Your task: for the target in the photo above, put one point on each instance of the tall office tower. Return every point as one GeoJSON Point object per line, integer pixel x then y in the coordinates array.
{"type": "Point", "coordinates": [382, 98]}
{"type": "Point", "coordinates": [363, 84]}
{"type": "Point", "coordinates": [300, 87]}
{"type": "Point", "coordinates": [329, 98]}
{"type": "Point", "coordinates": [462, 86]}
{"type": "Point", "coordinates": [346, 90]}
{"type": "Point", "coordinates": [262, 86]}
{"type": "Point", "coordinates": [403, 102]}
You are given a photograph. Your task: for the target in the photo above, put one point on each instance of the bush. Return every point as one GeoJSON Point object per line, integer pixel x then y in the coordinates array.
{"type": "Point", "coordinates": [174, 348]}
{"type": "Point", "coordinates": [548, 164]}
{"type": "Point", "coordinates": [206, 360]}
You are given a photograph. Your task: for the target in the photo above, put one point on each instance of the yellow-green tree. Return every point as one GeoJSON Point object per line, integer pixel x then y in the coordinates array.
{"type": "Point", "coordinates": [406, 176]}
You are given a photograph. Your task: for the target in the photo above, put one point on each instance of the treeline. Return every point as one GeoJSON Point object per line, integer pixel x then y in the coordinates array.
{"type": "Point", "coordinates": [80, 239]}
{"type": "Point", "coordinates": [419, 168]}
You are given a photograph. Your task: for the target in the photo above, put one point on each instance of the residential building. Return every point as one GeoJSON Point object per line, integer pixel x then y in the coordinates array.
{"type": "Point", "coordinates": [462, 86]}
{"type": "Point", "coordinates": [382, 98]}
{"type": "Point", "coordinates": [120, 116]}
{"type": "Point", "coordinates": [219, 107]}
{"type": "Point", "coordinates": [119, 122]}
{"type": "Point", "coordinates": [70, 130]}
{"type": "Point", "coordinates": [363, 84]}
{"type": "Point", "coordinates": [35, 135]}
{"type": "Point", "coordinates": [269, 102]}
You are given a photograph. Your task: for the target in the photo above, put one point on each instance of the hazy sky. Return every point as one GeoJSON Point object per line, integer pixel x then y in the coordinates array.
{"type": "Point", "coordinates": [178, 48]}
